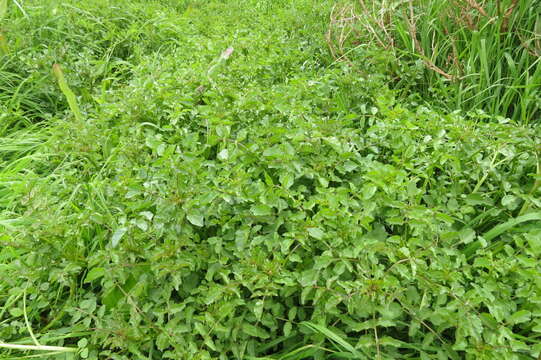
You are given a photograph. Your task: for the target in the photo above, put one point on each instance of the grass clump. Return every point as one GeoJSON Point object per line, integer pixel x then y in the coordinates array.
{"type": "Point", "coordinates": [463, 54]}
{"type": "Point", "coordinates": [265, 203]}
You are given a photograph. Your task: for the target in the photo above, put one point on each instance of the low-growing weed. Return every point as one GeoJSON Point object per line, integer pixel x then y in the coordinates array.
{"type": "Point", "coordinates": [280, 206]}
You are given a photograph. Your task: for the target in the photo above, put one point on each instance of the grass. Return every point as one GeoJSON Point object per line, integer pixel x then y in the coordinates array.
{"type": "Point", "coordinates": [202, 180]}
{"type": "Point", "coordinates": [461, 54]}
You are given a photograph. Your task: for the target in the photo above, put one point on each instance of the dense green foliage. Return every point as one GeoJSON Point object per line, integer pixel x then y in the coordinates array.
{"type": "Point", "coordinates": [268, 204]}
{"type": "Point", "coordinates": [466, 54]}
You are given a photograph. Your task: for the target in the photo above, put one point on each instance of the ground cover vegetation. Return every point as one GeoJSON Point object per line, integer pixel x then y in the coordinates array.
{"type": "Point", "coordinates": [458, 54]}
{"type": "Point", "coordinates": [220, 180]}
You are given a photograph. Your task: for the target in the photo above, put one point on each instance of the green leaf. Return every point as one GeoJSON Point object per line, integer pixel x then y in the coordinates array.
{"type": "Point", "coordinates": [511, 202]}
{"type": "Point", "coordinates": [261, 210]}
{"type": "Point", "coordinates": [467, 235]}
{"type": "Point", "coordinates": [195, 218]}
{"type": "Point", "coordinates": [15, 312]}
{"type": "Point", "coordinates": [287, 328]}
{"type": "Point", "coordinates": [117, 235]}
{"type": "Point", "coordinates": [368, 191]}
{"type": "Point", "coordinates": [508, 225]}
{"type": "Point", "coordinates": [316, 233]}
{"type": "Point", "coordinates": [520, 316]}
{"type": "Point", "coordinates": [142, 224]}
{"type": "Point", "coordinates": [498, 230]}
{"type": "Point", "coordinates": [94, 274]}
{"type": "Point", "coordinates": [82, 343]}
{"type": "Point", "coordinates": [254, 331]}
{"type": "Point", "coordinates": [274, 151]}
{"type": "Point", "coordinates": [223, 155]}
{"type": "Point", "coordinates": [286, 179]}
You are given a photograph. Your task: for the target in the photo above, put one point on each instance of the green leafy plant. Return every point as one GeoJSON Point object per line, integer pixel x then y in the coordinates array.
{"type": "Point", "coordinates": [281, 207]}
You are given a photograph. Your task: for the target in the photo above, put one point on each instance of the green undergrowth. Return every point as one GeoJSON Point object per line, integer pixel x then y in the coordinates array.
{"type": "Point", "coordinates": [270, 204]}
{"type": "Point", "coordinates": [457, 54]}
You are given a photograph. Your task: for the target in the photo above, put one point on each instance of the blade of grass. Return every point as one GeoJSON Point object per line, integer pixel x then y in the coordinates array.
{"type": "Point", "coordinates": [3, 44]}
{"type": "Point", "coordinates": [334, 338]}
{"type": "Point", "coordinates": [21, 8]}
{"type": "Point", "coordinates": [3, 9]}
{"type": "Point", "coordinates": [34, 339]}
{"type": "Point", "coordinates": [500, 229]}
{"type": "Point", "coordinates": [36, 348]}
{"type": "Point", "coordinates": [70, 96]}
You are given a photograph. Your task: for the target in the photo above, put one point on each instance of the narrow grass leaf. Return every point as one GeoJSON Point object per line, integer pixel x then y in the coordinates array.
{"type": "Point", "coordinates": [3, 44]}
{"type": "Point", "coordinates": [334, 338]}
{"type": "Point", "coordinates": [3, 9]}
{"type": "Point", "coordinates": [500, 229]}
{"type": "Point", "coordinates": [70, 96]}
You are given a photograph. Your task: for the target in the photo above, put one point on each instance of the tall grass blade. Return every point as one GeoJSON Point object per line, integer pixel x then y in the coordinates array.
{"type": "Point", "coordinates": [70, 96]}
{"type": "Point", "coordinates": [3, 9]}
{"type": "Point", "coordinates": [3, 45]}
{"type": "Point", "coordinates": [36, 347]}
{"type": "Point", "coordinates": [21, 8]}
{"type": "Point", "coordinates": [334, 338]}
{"type": "Point", "coordinates": [508, 225]}
{"type": "Point", "coordinates": [500, 229]}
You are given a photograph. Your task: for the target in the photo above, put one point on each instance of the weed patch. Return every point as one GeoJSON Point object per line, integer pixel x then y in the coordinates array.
{"type": "Point", "coordinates": [225, 190]}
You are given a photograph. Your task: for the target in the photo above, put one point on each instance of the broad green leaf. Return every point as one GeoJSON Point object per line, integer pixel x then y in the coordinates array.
{"type": "Point", "coordinates": [223, 155]}
{"type": "Point", "coordinates": [117, 235]}
{"type": "Point", "coordinates": [286, 179]}
{"type": "Point", "coordinates": [94, 274]}
{"type": "Point", "coordinates": [261, 210]}
{"type": "Point", "coordinates": [467, 235]}
{"type": "Point", "coordinates": [195, 218]}
{"type": "Point", "coordinates": [316, 232]}
{"type": "Point", "coordinates": [287, 328]}
{"type": "Point", "coordinates": [255, 331]}
{"type": "Point", "coordinates": [511, 202]}
{"type": "Point", "coordinates": [142, 224]}
{"type": "Point", "coordinates": [520, 316]}
{"type": "Point", "coordinates": [368, 191]}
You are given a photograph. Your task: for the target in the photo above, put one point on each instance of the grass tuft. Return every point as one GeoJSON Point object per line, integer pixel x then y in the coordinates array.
{"type": "Point", "coordinates": [462, 54]}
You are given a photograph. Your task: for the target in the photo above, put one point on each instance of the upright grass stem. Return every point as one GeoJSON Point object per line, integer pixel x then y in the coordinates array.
{"type": "Point", "coordinates": [475, 55]}
{"type": "Point", "coordinates": [70, 96]}
{"type": "Point", "coordinates": [3, 45]}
